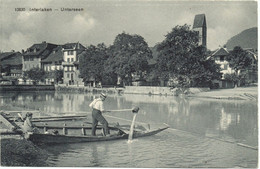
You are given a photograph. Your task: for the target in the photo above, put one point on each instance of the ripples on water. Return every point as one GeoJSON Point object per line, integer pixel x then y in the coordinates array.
{"type": "Point", "coordinates": [169, 149]}
{"type": "Point", "coordinates": [235, 121]}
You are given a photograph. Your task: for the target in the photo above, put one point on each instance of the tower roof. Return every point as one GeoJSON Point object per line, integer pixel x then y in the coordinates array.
{"type": "Point", "coordinates": [199, 21]}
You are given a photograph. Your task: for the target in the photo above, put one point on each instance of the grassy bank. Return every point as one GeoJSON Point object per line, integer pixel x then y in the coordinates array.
{"type": "Point", "coordinates": [20, 152]}
{"type": "Point", "coordinates": [239, 93]}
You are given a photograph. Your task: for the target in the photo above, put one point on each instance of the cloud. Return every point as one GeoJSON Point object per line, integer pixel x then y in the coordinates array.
{"type": "Point", "coordinates": [83, 23]}
{"type": "Point", "coordinates": [16, 41]}
{"type": "Point", "coordinates": [102, 21]}
{"type": "Point", "coordinates": [77, 28]}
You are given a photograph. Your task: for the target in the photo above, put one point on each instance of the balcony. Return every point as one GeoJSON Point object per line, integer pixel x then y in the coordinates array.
{"type": "Point", "coordinates": [67, 63]}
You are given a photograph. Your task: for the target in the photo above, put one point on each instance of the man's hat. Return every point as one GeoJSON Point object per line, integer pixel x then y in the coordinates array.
{"type": "Point", "coordinates": [28, 114]}
{"type": "Point", "coordinates": [103, 95]}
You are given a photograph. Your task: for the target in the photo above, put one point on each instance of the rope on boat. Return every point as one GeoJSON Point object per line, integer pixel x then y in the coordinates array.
{"type": "Point", "coordinates": [214, 138]}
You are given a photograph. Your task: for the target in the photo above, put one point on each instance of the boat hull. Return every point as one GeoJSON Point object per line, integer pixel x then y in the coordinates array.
{"type": "Point", "coordinates": [39, 138]}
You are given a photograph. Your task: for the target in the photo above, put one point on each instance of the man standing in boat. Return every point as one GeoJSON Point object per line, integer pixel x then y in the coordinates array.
{"type": "Point", "coordinates": [97, 110]}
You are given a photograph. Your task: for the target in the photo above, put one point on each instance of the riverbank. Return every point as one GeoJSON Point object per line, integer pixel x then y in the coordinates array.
{"type": "Point", "coordinates": [85, 89]}
{"type": "Point", "coordinates": [20, 152]}
{"type": "Point", "coordinates": [239, 93]}
{"type": "Point", "coordinates": [146, 90]}
{"type": "Point", "coordinates": [26, 87]}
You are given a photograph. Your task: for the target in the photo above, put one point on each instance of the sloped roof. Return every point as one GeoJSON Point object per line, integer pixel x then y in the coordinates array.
{"type": "Point", "coordinates": [56, 55]}
{"type": "Point", "coordinates": [6, 54]}
{"type": "Point", "coordinates": [220, 52]}
{"type": "Point", "coordinates": [43, 49]}
{"type": "Point", "coordinates": [73, 45]}
{"type": "Point", "coordinates": [11, 59]}
{"type": "Point", "coordinates": [199, 21]}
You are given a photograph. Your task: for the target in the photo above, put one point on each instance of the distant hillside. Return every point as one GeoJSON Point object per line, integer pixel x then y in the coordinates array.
{"type": "Point", "coordinates": [245, 39]}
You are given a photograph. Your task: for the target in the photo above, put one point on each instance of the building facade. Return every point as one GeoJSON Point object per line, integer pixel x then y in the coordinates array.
{"type": "Point", "coordinates": [71, 52]}
{"type": "Point", "coordinates": [52, 65]}
{"type": "Point", "coordinates": [220, 57]}
{"type": "Point", "coordinates": [11, 64]}
{"type": "Point", "coordinates": [33, 56]}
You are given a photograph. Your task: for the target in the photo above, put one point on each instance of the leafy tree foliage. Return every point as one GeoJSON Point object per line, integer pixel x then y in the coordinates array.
{"type": "Point", "coordinates": [36, 74]}
{"type": "Point", "coordinates": [57, 75]}
{"type": "Point", "coordinates": [231, 77]}
{"type": "Point", "coordinates": [239, 59]}
{"type": "Point", "coordinates": [237, 79]}
{"type": "Point", "coordinates": [91, 62]}
{"type": "Point", "coordinates": [109, 74]}
{"type": "Point", "coordinates": [129, 55]}
{"type": "Point", "coordinates": [181, 59]}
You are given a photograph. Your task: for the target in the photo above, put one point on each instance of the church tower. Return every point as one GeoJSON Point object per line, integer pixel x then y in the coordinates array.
{"type": "Point", "coordinates": [200, 25]}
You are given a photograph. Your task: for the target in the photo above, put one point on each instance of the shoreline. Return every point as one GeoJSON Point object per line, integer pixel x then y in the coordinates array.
{"type": "Point", "coordinates": [239, 93]}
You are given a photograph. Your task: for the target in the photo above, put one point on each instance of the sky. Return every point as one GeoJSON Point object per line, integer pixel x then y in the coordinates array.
{"type": "Point", "coordinates": [102, 20]}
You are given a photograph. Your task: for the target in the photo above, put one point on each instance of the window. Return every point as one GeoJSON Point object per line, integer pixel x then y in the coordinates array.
{"type": "Point", "coordinates": [221, 58]}
{"type": "Point", "coordinates": [225, 67]}
{"type": "Point", "coordinates": [68, 75]}
{"type": "Point", "coordinates": [70, 52]}
{"type": "Point", "coordinates": [68, 59]}
{"type": "Point", "coordinates": [72, 59]}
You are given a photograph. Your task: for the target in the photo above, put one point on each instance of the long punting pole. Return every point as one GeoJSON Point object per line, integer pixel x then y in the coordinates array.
{"type": "Point", "coordinates": [214, 138]}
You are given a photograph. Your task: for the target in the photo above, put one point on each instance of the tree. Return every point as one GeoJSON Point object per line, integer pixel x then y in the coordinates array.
{"type": "Point", "coordinates": [129, 55]}
{"type": "Point", "coordinates": [91, 62]}
{"type": "Point", "coordinates": [239, 60]}
{"type": "Point", "coordinates": [109, 74]}
{"type": "Point", "coordinates": [35, 74]}
{"type": "Point", "coordinates": [181, 58]}
{"type": "Point", "coordinates": [58, 75]}
{"type": "Point", "coordinates": [237, 78]}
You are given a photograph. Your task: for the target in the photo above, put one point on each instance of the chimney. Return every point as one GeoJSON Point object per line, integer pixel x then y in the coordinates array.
{"type": "Point", "coordinates": [78, 45]}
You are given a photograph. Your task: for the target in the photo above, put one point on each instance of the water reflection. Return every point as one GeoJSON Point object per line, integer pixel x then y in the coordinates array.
{"type": "Point", "coordinates": [236, 120]}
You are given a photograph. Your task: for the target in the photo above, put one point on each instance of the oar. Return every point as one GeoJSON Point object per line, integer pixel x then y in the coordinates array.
{"type": "Point", "coordinates": [130, 137]}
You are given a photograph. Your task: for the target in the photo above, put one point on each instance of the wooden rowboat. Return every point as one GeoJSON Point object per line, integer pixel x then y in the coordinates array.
{"type": "Point", "coordinates": [76, 134]}
{"type": "Point", "coordinates": [74, 129]}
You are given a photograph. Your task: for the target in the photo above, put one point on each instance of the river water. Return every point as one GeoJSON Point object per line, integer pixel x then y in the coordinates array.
{"type": "Point", "coordinates": [202, 133]}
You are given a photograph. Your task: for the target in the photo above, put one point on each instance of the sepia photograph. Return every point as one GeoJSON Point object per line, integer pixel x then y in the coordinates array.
{"type": "Point", "coordinates": [129, 83]}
